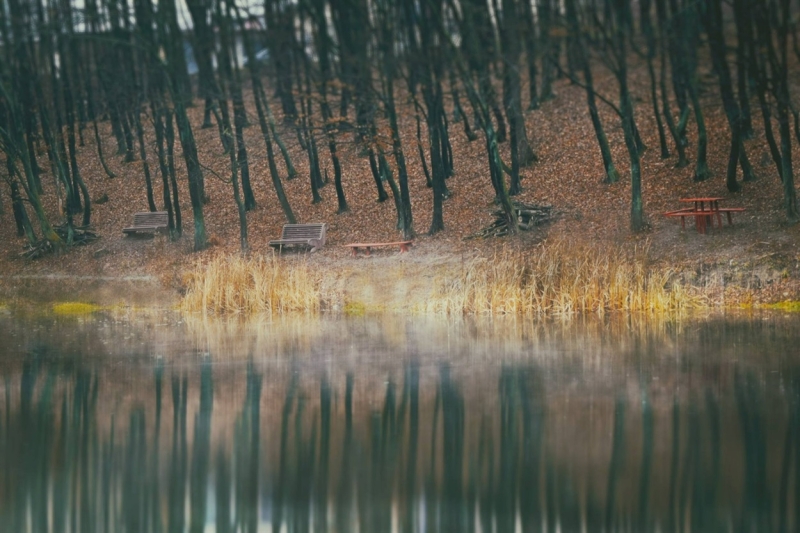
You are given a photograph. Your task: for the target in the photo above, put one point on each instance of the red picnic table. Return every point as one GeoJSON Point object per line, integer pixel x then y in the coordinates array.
{"type": "Point", "coordinates": [704, 211]}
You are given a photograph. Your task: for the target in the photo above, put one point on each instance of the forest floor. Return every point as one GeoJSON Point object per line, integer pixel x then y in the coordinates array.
{"type": "Point", "coordinates": [755, 260]}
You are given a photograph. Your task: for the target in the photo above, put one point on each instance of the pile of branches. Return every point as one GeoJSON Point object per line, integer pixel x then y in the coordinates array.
{"type": "Point", "coordinates": [528, 216]}
{"type": "Point", "coordinates": [80, 236]}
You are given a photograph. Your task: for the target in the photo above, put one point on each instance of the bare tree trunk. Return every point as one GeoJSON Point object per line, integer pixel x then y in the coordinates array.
{"type": "Point", "coordinates": [264, 123]}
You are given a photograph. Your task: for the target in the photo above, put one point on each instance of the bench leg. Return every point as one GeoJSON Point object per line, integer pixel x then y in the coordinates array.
{"type": "Point", "coordinates": [367, 250]}
{"type": "Point", "coordinates": [730, 218]}
{"type": "Point", "coordinates": [700, 223]}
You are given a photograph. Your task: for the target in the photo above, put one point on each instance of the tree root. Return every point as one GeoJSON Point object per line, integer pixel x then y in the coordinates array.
{"type": "Point", "coordinates": [42, 247]}
{"type": "Point", "coordinates": [528, 217]}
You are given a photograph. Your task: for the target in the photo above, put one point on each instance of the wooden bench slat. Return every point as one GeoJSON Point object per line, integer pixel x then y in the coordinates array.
{"type": "Point", "coordinates": [148, 222]}
{"type": "Point", "coordinates": [367, 246]}
{"type": "Point", "coordinates": [700, 216]}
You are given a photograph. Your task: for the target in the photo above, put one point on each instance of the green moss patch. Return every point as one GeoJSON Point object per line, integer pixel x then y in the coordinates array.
{"type": "Point", "coordinates": [75, 308]}
{"type": "Point", "coordinates": [355, 309]}
{"type": "Point", "coordinates": [787, 305]}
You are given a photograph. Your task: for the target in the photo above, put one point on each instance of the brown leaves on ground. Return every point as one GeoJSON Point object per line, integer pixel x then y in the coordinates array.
{"type": "Point", "coordinates": [569, 176]}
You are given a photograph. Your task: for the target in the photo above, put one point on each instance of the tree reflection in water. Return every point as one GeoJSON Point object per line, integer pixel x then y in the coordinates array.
{"type": "Point", "coordinates": [435, 449]}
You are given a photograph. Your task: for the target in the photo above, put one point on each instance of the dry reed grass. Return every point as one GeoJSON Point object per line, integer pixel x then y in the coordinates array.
{"type": "Point", "coordinates": [263, 285]}
{"type": "Point", "coordinates": [560, 279]}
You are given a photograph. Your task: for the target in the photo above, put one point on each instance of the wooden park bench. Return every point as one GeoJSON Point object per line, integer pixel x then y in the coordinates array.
{"type": "Point", "coordinates": [367, 246]}
{"type": "Point", "coordinates": [148, 222]}
{"type": "Point", "coordinates": [729, 210]}
{"type": "Point", "coordinates": [701, 218]}
{"type": "Point", "coordinates": [301, 235]}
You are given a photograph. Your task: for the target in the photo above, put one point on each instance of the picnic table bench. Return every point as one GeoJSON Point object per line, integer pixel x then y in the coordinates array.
{"type": "Point", "coordinates": [148, 222]}
{"type": "Point", "coordinates": [704, 211]}
{"type": "Point", "coordinates": [367, 246]}
{"type": "Point", "coordinates": [302, 235]}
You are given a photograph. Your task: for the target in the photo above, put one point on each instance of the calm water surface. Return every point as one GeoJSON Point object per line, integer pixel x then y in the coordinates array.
{"type": "Point", "coordinates": [399, 425]}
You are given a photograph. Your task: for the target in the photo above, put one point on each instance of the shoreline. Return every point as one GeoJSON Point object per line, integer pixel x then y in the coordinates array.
{"type": "Point", "coordinates": [395, 283]}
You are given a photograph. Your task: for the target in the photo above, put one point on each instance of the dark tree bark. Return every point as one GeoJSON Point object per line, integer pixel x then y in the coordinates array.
{"type": "Point", "coordinates": [531, 55]}
{"type": "Point", "coordinates": [479, 103]}
{"type": "Point", "coordinates": [376, 175]}
{"type": "Point", "coordinates": [687, 21]}
{"type": "Point", "coordinates": [169, 131]}
{"type": "Point", "coordinates": [203, 46]}
{"type": "Point", "coordinates": [744, 32]}
{"type": "Point", "coordinates": [148, 181]}
{"type": "Point", "coordinates": [193, 168]}
{"type": "Point", "coordinates": [306, 127]}
{"type": "Point", "coordinates": [481, 51]}
{"type": "Point", "coordinates": [521, 152]}
{"type": "Point", "coordinates": [618, 40]}
{"type": "Point", "coordinates": [120, 72]}
{"type": "Point", "coordinates": [237, 155]}
{"type": "Point", "coordinates": [65, 72]}
{"type": "Point", "coordinates": [690, 34]}
{"type": "Point", "coordinates": [323, 46]}
{"type": "Point", "coordinates": [548, 46]}
{"type": "Point", "coordinates": [93, 117]}
{"type": "Point", "coordinates": [158, 123]}
{"type": "Point", "coordinates": [432, 72]}
{"type": "Point", "coordinates": [421, 150]}
{"type": "Point", "coordinates": [665, 47]}
{"type": "Point", "coordinates": [716, 40]}
{"type": "Point", "coordinates": [765, 65]}
{"type": "Point", "coordinates": [777, 55]}
{"type": "Point", "coordinates": [675, 34]}
{"type": "Point", "coordinates": [583, 63]}
{"type": "Point", "coordinates": [172, 37]}
{"type": "Point", "coordinates": [13, 144]}
{"type": "Point", "coordinates": [648, 31]}
{"type": "Point", "coordinates": [195, 173]}
{"type": "Point", "coordinates": [352, 23]}
{"type": "Point", "coordinates": [458, 112]}
{"type": "Point", "coordinates": [21, 219]}
{"type": "Point", "coordinates": [279, 16]}
{"type": "Point", "coordinates": [261, 109]}
{"type": "Point", "coordinates": [230, 75]}
{"type": "Point", "coordinates": [400, 191]}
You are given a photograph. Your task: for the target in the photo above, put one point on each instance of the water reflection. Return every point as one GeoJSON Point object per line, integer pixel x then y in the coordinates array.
{"type": "Point", "coordinates": [662, 441]}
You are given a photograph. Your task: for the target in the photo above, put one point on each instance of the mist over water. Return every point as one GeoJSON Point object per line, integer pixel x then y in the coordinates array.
{"type": "Point", "coordinates": [396, 424]}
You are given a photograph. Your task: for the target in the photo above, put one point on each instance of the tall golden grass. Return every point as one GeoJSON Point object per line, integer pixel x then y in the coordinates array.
{"type": "Point", "coordinates": [263, 285]}
{"type": "Point", "coordinates": [560, 279]}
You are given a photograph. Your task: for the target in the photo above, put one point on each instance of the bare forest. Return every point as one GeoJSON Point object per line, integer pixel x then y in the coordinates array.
{"type": "Point", "coordinates": [247, 114]}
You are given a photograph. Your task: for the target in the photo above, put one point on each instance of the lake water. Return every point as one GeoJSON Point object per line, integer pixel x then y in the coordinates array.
{"type": "Point", "coordinates": [113, 424]}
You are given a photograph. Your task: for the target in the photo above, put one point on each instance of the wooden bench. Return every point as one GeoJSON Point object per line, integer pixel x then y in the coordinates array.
{"type": "Point", "coordinates": [729, 210]}
{"type": "Point", "coordinates": [302, 235]}
{"type": "Point", "coordinates": [148, 222]}
{"type": "Point", "coordinates": [700, 218]}
{"type": "Point", "coordinates": [367, 246]}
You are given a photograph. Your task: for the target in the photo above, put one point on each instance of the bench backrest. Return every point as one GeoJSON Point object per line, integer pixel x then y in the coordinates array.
{"type": "Point", "coordinates": [304, 231]}
{"type": "Point", "coordinates": [156, 218]}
